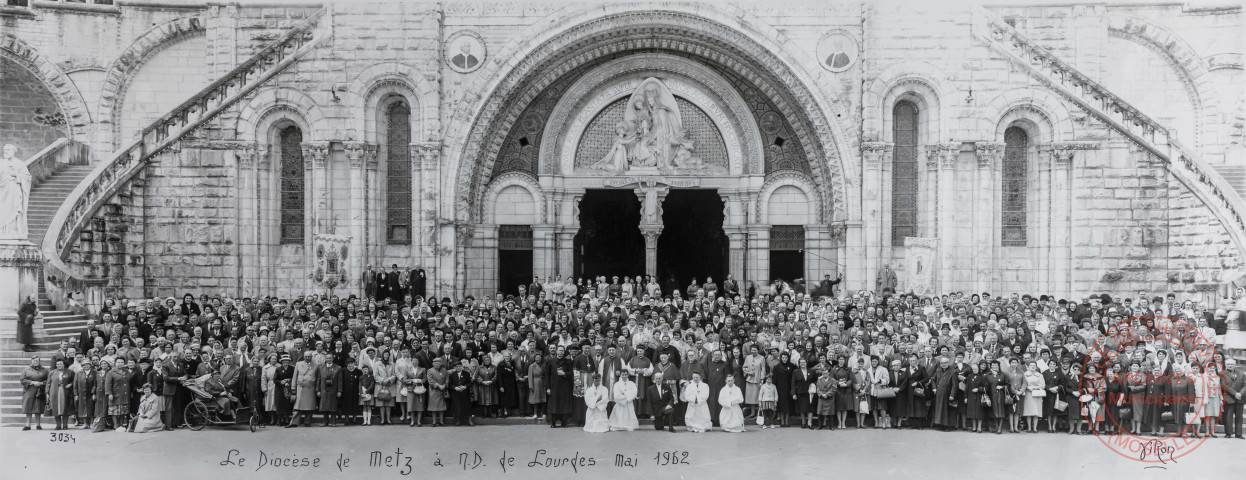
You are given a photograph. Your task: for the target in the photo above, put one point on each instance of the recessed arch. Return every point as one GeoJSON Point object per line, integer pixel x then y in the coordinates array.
{"type": "Point", "coordinates": [122, 71]}
{"type": "Point", "coordinates": [374, 83]}
{"type": "Point", "coordinates": [67, 96]}
{"type": "Point", "coordinates": [732, 38]}
{"type": "Point", "coordinates": [785, 179]}
{"type": "Point", "coordinates": [270, 99]}
{"type": "Point", "coordinates": [508, 180]}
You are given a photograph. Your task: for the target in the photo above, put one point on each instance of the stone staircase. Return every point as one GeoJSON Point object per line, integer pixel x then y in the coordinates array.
{"type": "Point", "coordinates": [1235, 175]}
{"type": "Point", "coordinates": [67, 197]}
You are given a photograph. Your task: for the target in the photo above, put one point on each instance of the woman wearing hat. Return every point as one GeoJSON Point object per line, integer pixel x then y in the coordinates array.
{"type": "Point", "coordinates": [437, 379]}
{"type": "Point", "coordinates": [283, 383]}
{"type": "Point", "coordinates": [34, 395]}
{"type": "Point", "coordinates": [977, 397]}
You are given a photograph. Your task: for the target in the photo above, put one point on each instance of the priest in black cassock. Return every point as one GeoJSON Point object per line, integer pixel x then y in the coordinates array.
{"type": "Point", "coordinates": [559, 381]}
{"type": "Point", "coordinates": [944, 383]}
{"type": "Point", "coordinates": [584, 367]}
{"type": "Point", "coordinates": [716, 372]}
{"type": "Point", "coordinates": [460, 386]}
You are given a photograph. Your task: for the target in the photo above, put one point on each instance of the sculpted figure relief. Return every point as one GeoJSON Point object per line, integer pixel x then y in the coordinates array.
{"type": "Point", "coordinates": [651, 135]}
{"type": "Point", "coordinates": [14, 195]}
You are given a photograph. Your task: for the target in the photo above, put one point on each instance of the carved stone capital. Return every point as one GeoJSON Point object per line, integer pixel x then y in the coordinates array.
{"type": "Point", "coordinates": [463, 234]}
{"type": "Point", "coordinates": [246, 156]}
{"type": "Point", "coordinates": [1062, 152]}
{"type": "Point", "coordinates": [651, 235]}
{"type": "Point", "coordinates": [875, 154]}
{"type": "Point", "coordinates": [370, 156]}
{"type": "Point", "coordinates": [427, 153]}
{"type": "Point", "coordinates": [990, 154]}
{"type": "Point", "coordinates": [263, 151]}
{"type": "Point", "coordinates": [317, 153]}
{"type": "Point", "coordinates": [942, 155]}
{"type": "Point", "coordinates": [355, 153]}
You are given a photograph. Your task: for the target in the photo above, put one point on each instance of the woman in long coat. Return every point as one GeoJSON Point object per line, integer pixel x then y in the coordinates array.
{"type": "Point", "coordinates": [34, 396]}
{"type": "Point", "coordinates": [60, 391]}
{"type": "Point", "coordinates": [148, 418]}
{"type": "Point", "coordinates": [101, 399]}
{"type": "Point", "coordinates": [826, 398]}
{"type": "Point", "coordinates": [304, 382]}
{"type": "Point", "coordinates": [1032, 406]}
{"type": "Point", "coordinates": [414, 378]}
{"type": "Point", "coordinates": [386, 387]}
{"type": "Point", "coordinates": [460, 384]}
{"type": "Point", "coordinates": [283, 378]}
{"type": "Point", "coordinates": [536, 386]}
{"type": "Point", "coordinates": [437, 378]}
{"type": "Point", "coordinates": [1073, 412]}
{"type": "Point", "coordinates": [486, 386]}
{"type": "Point", "coordinates": [84, 393]}
{"type": "Point", "coordinates": [783, 383]}
{"type": "Point", "coordinates": [329, 384]}
{"type": "Point", "coordinates": [367, 383]}
{"type": "Point", "coordinates": [844, 398]}
{"type": "Point", "coordinates": [26, 317]}
{"type": "Point", "coordinates": [974, 410]}
{"type": "Point", "coordinates": [507, 384]}
{"type": "Point", "coordinates": [998, 386]}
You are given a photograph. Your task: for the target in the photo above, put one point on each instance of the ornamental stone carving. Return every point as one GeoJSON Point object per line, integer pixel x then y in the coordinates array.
{"type": "Point", "coordinates": [317, 153]}
{"type": "Point", "coordinates": [355, 153]}
{"type": "Point", "coordinates": [875, 154]}
{"type": "Point", "coordinates": [989, 154]}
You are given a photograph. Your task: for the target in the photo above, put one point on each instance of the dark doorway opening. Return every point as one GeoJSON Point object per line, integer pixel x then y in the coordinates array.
{"type": "Point", "coordinates": [787, 253]}
{"type": "Point", "coordinates": [609, 241]}
{"type": "Point", "coordinates": [692, 243]}
{"type": "Point", "coordinates": [514, 257]}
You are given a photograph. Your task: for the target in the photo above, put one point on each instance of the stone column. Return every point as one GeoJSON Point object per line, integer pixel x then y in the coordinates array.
{"type": "Point", "coordinates": [1064, 155]}
{"type": "Point", "coordinates": [317, 153]}
{"type": "Point", "coordinates": [427, 191]}
{"type": "Point", "coordinates": [357, 223]}
{"type": "Point", "coordinates": [463, 234]}
{"type": "Point", "coordinates": [874, 236]}
{"type": "Point", "coordinates": [545, 244]}
{"type": "Point", "coordinates": [246, 190]}
{"type": "Point", "coordinates": [944, 154]}
{"type": "Point", "coordinates": [567, 228]}
{"type": "Point", "coordinates": [986, 212]}
{"type": "Point", "coordinates": [265, 221]}
{"type": "Point", "coordinates": [651, 196]}
{"type": "Point", "coordinates": [372, 228]}
{"type": "Point", "coordinates": [651, 235]}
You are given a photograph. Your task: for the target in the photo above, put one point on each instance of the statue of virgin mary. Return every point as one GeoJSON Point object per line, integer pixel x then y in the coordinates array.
{"type": "Point", "coordinates": [652, 109]}
{"type": "Point", "coordinates": [14, 195]}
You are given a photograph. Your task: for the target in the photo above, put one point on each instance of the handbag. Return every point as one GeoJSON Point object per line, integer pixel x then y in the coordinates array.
{"type": "Point", "coordinates": [1061, 405]}
{"type": "Point", "coordinates": [919, 391]}
{"type": "Point", "coordinates": [403, 392]}
{"type": "Point", "coordinates": [884, 392]}
{"type": "Point", "coordinates": [366, 397]}
{"type": "Point", "coordinates": [419, 390]}
{"type": "Point", "coordinates": [1038, 393]}
{"type": "Point", "coordinates": [1009, 399]}
{"type": "Point", "coordinates": [1125, 413]}
{"type": "Point", "coordinates": [986, 400]}
{"type": "Point", "coordinates": [761, 420]}
{"type": "Point", "coordinates": [863, 407]}
{"type": "Point", "coordinates": [384, 394]}
{"type": "Point", "coordinates": [1085, 398]}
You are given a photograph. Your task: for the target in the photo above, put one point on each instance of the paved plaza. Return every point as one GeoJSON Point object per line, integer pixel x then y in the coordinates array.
{"type": "Point", "coordinates": [768, 454]}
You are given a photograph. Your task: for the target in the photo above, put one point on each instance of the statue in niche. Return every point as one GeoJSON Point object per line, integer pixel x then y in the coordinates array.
{"type": "Point", "coordinates": [651, 135]}
{"type": "Point", "coordinates": [14, 195]}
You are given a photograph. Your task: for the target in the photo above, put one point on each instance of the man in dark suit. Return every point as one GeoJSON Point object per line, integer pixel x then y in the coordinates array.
{"type": "Point", "coordinates": [394, 279]}
{"type": "Point", "coordinates": [382, 285]}
{"type": "Point", "coordinates": [418, 282]}
{"type": "Point", "coordinates": [662, 398]}
{"type": "Point", "coordinates": [173, 371]}
{"type": "Point", "coordinates": [369, 282]}
{"type": "Point", "coordinates": [1234, 389]}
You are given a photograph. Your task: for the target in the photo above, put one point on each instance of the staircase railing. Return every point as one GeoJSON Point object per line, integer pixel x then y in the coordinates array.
{"type": "Point", "coordinates": [58, 155]}
{"type": "Point", "coordinates": [110, 176]}
{"type": "Point", "coordinates": [1199, 177]}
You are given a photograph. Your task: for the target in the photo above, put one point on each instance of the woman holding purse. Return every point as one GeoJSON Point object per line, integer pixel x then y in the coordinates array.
{"type": "Point", "coordinates": [367, 384]}
{"type": "Point", "coordinates": [861, 391]}
{"type": "Point", "coordinates": [845, 399]}
{"type": "Point", "coordinates": [1035, 390]}
{"type": "Point", "coordinates": [386, 382]}
{"type": "Point", "coordinates": [414, 382]}
{"type": "Point", "coordinates": [826, 398]}
{"type": "Point", "coordinates": [880, 392]}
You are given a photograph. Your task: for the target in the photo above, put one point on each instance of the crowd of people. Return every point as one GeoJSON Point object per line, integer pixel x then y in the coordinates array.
{"type": "Point", "coordinates": [604, 354]}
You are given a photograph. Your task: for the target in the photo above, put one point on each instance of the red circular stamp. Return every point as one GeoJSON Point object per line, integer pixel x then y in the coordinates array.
{"type": "Point", "coordinates": [1147, 375]}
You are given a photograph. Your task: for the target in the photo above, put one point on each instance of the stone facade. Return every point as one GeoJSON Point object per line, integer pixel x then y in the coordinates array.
{"type": "Point", "coordinates": [802, 96]}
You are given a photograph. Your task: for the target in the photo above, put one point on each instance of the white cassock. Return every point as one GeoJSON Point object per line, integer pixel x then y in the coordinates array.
{"type": "Point", "coordinates": [731, 417]}
{"type": "Point", "coordinates": [595, 420]}
{"type": "Point", "coordinates": [698, 416]}
{"type": "Point", "coordinates": [623, 417]}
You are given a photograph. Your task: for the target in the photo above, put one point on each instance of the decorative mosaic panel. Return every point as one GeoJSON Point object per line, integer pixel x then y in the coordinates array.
{"type": "Point", "coordinates": [292, 188]}
{"type": "Point", "coordinates": [904, 174]}
{"type": "Point", "coordinates": [1014, 189]}
{"type": "Point", "coordinates": [783, 150]}
{"type": "Point", "coordinates": [787, 237]}
{"type": "Point", "coordinates": [514, 237]}
{"type": "Point", "coordinates": [520, 151]}
{"type": "Point", "coordinates": [707, 142]}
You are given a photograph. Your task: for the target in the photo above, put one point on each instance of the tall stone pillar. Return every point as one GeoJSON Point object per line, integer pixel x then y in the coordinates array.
{"type": "Point", "coordinates": [986, 212]}
{"type": "Point", "coordinates": [1064, 156]}
{"type": "Point", "coordinates": [463, 234]}
{"type": "Point", "coordinates": [246, 190]}
{"type": "Point", "coordinates": [266, 218]}
{"type": "Point", "coordinates": [1040, 204]}
{"type": "Point", "coordinates": [567, 228]}
{"type": "Point", "coordinates": [373, 230]}
{"type": "Point", "coordinates": [318, 154]}
{"type": "Point", "coordinates": [651, 196]}
{"type": "Point", "coordinates": [357, 222]}
{"type": "Point", "coordinates": [427, 193]}
{"type": "Point", "coordinates": [873, 214]}
{"type": "Point", "coordinates": [19, 278]}
{"type": "Point", "coordinates": [544, 250]}
{"type": "Point", "coordinates": [944, 154]}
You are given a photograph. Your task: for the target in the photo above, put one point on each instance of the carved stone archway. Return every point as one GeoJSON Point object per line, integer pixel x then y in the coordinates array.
{"type": "Point", "coordinates": [77, 116]}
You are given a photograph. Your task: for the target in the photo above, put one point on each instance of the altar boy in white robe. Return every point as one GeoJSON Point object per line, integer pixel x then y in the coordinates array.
{"type": "Point", "coordinates": [596, 397]}
{"type": "Point", "coordinates": [623, 417]}
{"type": "Point", "coordinates": [731, 417]}
{"type": "Point", "coordinates": [697, 394]}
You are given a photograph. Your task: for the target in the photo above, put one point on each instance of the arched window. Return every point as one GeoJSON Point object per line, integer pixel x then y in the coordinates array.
{"type": "Point", "coordinates": [904, 173]}
{"type": "Point", "coordinates": [292, 215]}
{"type": "Point", "coordinates": [1013, 207]}
{"type": "Point", "coordinates": [398, 173]}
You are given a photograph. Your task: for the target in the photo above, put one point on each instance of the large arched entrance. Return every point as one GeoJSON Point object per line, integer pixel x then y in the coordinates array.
{"type": "Point", "coordinates": [609, 242]}
{"type": "Point", "coordinates": [693, 244]}
{"type": "Point", "coordinates": [551, 117]}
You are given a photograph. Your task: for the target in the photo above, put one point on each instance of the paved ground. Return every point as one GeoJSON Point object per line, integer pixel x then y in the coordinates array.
{"type": "Point", "coordinates": [764, 454]}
